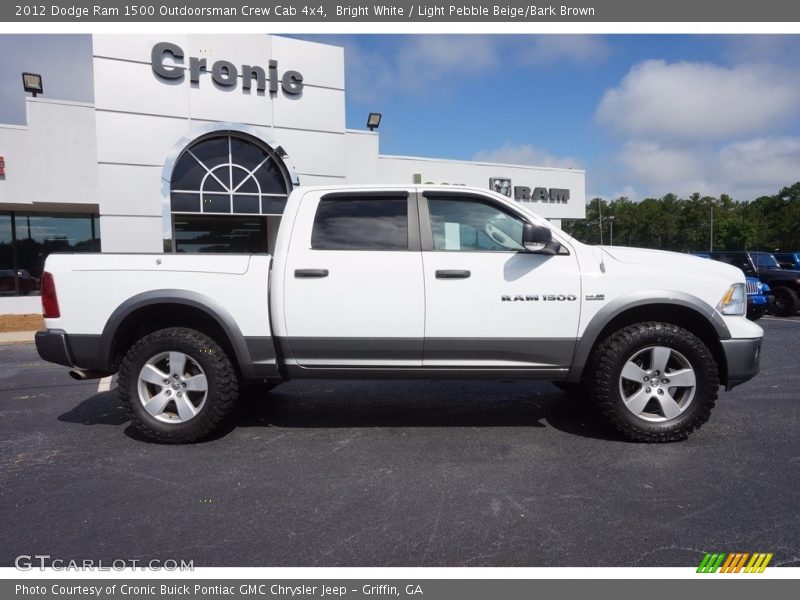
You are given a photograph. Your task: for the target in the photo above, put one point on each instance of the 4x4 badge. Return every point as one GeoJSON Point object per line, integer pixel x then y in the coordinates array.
{"type": "Point", "coordinates": [590, 297]}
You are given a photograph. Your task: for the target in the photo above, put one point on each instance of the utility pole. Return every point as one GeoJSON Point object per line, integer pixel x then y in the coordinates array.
{"type": "Point", "coordinates": [600, 219]}
{"type": "Point", "coordinates": [611, 226]}
{"type": "Point", "coordinates": [711, 235]}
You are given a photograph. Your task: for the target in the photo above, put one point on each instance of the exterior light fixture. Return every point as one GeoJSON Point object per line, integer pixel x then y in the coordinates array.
{"type": "Point", "coordinates": [373, 121]}
{"type": "Point", "coordinates": [32, 82]}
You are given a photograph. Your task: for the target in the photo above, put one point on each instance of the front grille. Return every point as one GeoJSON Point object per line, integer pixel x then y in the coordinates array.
{"type": "Point", "coordinates": [752, 287]}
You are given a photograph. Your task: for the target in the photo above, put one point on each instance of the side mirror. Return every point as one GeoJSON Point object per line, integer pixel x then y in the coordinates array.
{"type": "Point", "coordinates": [539, 239]}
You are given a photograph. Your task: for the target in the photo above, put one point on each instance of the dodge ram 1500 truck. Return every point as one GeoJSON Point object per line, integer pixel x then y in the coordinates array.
{"type": "Point", "coordinates": [404, 281]}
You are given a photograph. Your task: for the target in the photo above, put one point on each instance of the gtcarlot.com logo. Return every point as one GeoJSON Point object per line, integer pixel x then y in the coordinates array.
{"type": "Point", "coordinates": [736, 562]}
{"type": "Point", "coordinates": [28, 562]}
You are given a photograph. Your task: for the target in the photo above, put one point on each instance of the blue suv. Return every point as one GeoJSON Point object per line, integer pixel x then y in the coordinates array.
{"type": "Point", "coordinates": [758, 298]}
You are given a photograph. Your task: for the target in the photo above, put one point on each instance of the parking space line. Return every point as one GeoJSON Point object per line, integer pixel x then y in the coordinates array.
{"type": "Point", "coordinates": [105, 384]}
{"type": "Point", "coordinates": [781, 319]}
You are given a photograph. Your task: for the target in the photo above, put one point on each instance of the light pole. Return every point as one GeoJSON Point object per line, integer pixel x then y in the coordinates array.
{"type": "Point", "coordinates": [611, 227]}
{"type": "Point", "coordinates": [711, 234]}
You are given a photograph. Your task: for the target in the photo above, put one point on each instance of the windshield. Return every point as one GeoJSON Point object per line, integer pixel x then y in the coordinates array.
{"type": "Point", "coordinates": [765, 261]}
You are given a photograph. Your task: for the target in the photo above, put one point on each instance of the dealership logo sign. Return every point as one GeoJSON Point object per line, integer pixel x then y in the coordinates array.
{"type": "Point", "coordinates": [502, 185]}
{"type": "Point", "coordinates": [168, 63]}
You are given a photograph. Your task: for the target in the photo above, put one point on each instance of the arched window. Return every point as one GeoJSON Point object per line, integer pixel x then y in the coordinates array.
{"type": "Point", "coordinates": [229, 173]}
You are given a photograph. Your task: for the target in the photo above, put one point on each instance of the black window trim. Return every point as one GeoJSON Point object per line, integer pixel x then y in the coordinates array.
{"type": "Point", "coordinates": [413, 222]}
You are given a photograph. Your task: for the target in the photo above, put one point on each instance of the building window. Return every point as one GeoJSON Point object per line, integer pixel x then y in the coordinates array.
{"type": "Point", "coordinates": [229, 173]}
{"type": "Point", "coordinates": [26, 239]}
{"type": "Point", "coordinates": [213, 234]}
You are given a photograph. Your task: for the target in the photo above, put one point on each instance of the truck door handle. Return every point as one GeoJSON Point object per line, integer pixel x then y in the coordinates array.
{"type": "Point", "coordinates": [452, 274]}
{"type": "Point", "coordinates": [310, 273]}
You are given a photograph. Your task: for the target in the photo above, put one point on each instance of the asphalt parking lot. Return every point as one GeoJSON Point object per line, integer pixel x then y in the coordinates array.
{"type": "Point", "coordinates": [401, 473]}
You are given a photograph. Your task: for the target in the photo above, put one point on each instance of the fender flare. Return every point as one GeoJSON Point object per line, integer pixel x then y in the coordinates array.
{"type": "Point", "coordinates": [188, 298]}
{"type": "Point", "coordinates": [626, 302]}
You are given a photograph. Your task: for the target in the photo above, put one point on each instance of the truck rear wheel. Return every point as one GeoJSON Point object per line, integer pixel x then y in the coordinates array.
{"type": "Point", "coordinates": [654, 382]}
{"type": "Point", "coordinates": [178, 385]}
{"type": "Point", "coordinates": [786, 303]}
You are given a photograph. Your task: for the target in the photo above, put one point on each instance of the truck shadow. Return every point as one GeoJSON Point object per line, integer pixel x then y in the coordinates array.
{"type": "Point", "coordinates": [101, 409]}
{"type": "Point", "coordinates": [417, 404]}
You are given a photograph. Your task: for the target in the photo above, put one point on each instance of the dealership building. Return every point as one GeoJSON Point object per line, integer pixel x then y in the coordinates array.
{"type": "Point", "coordinates": [193, 143]}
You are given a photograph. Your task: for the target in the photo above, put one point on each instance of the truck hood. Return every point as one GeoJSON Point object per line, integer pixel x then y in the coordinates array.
{"type": "Point", "coordinates": [675, 260]}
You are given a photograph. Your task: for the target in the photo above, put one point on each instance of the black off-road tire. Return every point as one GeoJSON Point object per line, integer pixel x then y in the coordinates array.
{"type": "Point", "coordinates": [610, 357]}
{"type": "Point", "coordinates": [786, 302]}
{"type": "Point", "coordinates": [223, 385]}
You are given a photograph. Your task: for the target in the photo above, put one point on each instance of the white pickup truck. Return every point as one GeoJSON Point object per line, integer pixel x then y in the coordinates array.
{"type": "Point", "coordinates": [397, 282]}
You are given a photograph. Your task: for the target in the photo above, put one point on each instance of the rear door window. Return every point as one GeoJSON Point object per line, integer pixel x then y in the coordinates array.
{"type": "Point", "coordinates": [361, 223]}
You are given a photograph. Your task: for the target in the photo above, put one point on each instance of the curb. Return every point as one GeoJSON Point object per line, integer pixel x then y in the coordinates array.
{"type": "Point", "coordinates": [17, 337]}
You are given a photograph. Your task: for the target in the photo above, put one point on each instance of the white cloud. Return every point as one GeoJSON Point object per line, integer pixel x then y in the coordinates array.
{"type": "Point", "coordinates": [526, 154]}
{"type": "Point", "coordinates": [762, 161]}
{"type": "Point", "coordinates": [628, 192]}
{"type": "Point", "coordinates": [699, 127]}
{"type": "Point", "coordinates": [744, 169]}
{"type": "Point", "coordinates": [658, 164]}
{"type": "Point", "coordinates": [573, 49]}
{"type": "Point", "coordinates": [691, 101]}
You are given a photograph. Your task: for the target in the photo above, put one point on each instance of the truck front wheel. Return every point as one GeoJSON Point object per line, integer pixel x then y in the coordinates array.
{"type": "Point", "coordinates": [178, 385]}
{"type": "Point", "coordinates": [654, 382]}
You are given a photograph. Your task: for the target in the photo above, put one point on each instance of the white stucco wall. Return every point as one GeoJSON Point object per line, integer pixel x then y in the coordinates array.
{"type": "Point", "coordinates": [49, 164]}
{"type": "Point", "coordinates": [366, 165]}
{"type": "Point", "coordinates": [455, 172]}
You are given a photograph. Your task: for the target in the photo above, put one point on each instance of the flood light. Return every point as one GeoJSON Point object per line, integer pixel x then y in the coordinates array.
{"type": "Point", "coordinates": [373, 121]}
{"type": "Point", "coordinates": [32, 82]}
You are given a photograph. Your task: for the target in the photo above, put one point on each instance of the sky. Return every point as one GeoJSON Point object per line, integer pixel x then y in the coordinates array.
{"type": "Point", "coordinates": [644, 115]}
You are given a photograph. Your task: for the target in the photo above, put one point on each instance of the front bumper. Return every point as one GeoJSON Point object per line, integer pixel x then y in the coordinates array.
{"type": "Point", "coordinates": [759, 301]}
{"type": "Point", "coordinates": [742, 358]}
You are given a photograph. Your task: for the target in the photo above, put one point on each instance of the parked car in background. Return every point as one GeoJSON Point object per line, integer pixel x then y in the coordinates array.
{"type": "Point", "coordinates": [789, 260]}
{"type": "Point", "coordinates": [759, 298]}
{"type": "Point", "coordinates": [27, 283]}
{"type": "Point", "coordinates": [758, 294]}
{"type": "Point", "coordinates": [785, 283]}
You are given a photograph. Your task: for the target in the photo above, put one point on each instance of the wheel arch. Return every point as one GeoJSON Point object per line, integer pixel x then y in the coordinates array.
{"type": "Point", "coordinates": [155, 309]}
{"type": "Point", "coordinates": [678, 308]}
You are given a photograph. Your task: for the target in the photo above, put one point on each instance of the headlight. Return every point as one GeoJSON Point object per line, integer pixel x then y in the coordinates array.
{"type": "Point", "coordinates": [734, 302]}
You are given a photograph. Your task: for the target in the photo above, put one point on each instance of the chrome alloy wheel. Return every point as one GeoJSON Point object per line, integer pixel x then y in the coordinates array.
{"type": "Point", "coordinates": [172, 387]}
{"type": "Point", "coordinates": [657, 383]}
